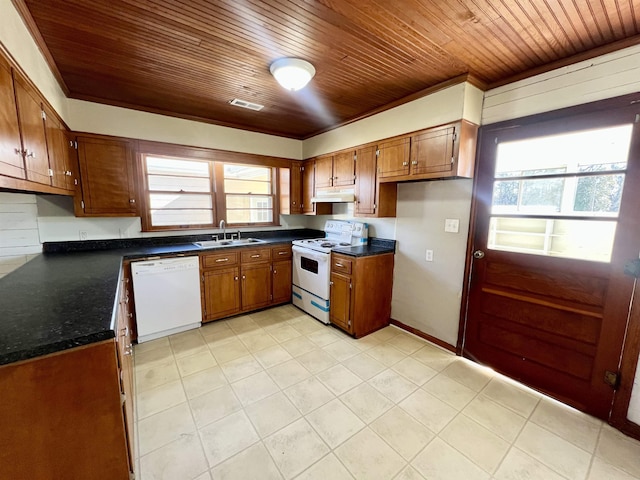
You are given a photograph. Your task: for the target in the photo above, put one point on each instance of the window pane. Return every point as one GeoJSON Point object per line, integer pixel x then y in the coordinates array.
{"type": "Point", "coordinates": [249, 201]}
{"type": "Point", "coordinates": [599, 194]}
{"type": "Point", "coordinates": [528, 196]}
{"type": "Point", "coordinates": [179, 184]}
{"type": "Point", "coordinates": [247, 172]}
{"type": "Point", "coordinates": [161, 218]}
{"type": "Point", "coordinates": [246, 186]}
{"type": "Point", "coordinates": [581, 239]}
{"type": "Point", "coordinates": [160, 200]}
{"type": "Point", "coordinates": [249, 216]}
{"type": "Point", "coordinates": [172, 166]}
{"type": "Point", "coordinates": [604, 149]}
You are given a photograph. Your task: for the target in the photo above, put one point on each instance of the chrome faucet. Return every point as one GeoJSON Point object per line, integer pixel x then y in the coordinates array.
{"type": "Point", "coordinates": [223, 226]}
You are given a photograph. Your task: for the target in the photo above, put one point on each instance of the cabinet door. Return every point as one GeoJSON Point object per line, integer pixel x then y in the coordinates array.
{"type": "Point", "coordinates": [282, 281]}
{"type": "Point", "coordinates": [324, 171]}
{"type": "Point", "coordinates": [296, 188]}
{"type": "Point", "coordinates": [432, 151]}
{"type": "Point", "coordinates": [57, 150]}
{"type": "Point", "coordinates": [256, 286]}
{"type": "Point", "coordinates": [11, 161]}
{"type": "Point", "coordinates": [340, 301]}
{"type": "Point", "coordinates": [365, 181]}
{"type": "Point", "coordinates": [221, 293]}
{"type": "Point", "coordinates": [343, 169]}
{"type": "Point", "coordinates": [393, 158]}
{"type": "Point", "coordinates": [106, 168]}
{"type": "Point", "coordinates": [308, 187]}
{"type": "Point", "coordinates": [34, 142]}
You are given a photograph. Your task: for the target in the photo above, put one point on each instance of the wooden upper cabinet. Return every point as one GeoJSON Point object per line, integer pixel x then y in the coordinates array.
{"type": "Point", "coordinates": [34, 140]}
{"type": "Point", "coordinates": [336, 170]}
{"type": "Point", "coordinates": [432, 151]}
{"type": "Point", "coordinates": [344, 168]}
{"type": "Point", "coordinates": [439, 152]}
{"type": "Point", "coordinates": [11, 160]}
{"type": "Point", "coordinates": [365, 190]}
{"type": "Point", "coordinates": [324, 171]}
{"type": "Point", "coordinates": [291, 189]}
{"type": "Point", "coordinates": [58, 150]}
{"type": "Point", "coordinates": [309, 191]}
{"type": "Point", "coordinates": [393, 157]}
{"type": "Point", "coordinates": [107, 173]}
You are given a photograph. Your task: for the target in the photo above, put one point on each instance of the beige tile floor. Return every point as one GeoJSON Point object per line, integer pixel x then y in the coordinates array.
{"type": "Point", "coordinates": [276, 394]}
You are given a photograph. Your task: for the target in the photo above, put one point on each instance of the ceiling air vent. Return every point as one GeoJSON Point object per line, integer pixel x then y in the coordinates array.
{"type": "Point", "coordinates": [244, 104]}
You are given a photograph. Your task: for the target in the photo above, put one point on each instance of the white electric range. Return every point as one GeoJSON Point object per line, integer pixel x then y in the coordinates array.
{"type": "Point", "coordinates": [312, 265]}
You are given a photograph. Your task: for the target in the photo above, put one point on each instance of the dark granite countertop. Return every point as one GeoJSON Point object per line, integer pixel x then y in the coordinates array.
{"type": "Point", "coordinates": [376, 246]}
{"type": "Point", "coordinates": [66, 297]}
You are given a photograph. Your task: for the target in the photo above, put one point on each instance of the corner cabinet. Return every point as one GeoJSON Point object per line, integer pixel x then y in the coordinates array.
{"type": "Point", "coordinates": [107, 172]}
{"type": "Point", "coordinates": [32, 154]}
{"type": "Point", "coordinates": [360, 292]}
{"type": "Point", "coordinates": [238, 280]}
{"type": "Point", "coordinates": [309, 190]}
{"type": "Point", "coordinates": [373, 199]}
{"type": "Point", "coordinates": [446, 151]}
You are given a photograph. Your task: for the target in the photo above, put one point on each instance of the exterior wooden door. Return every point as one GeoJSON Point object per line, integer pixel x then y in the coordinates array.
{"type": "Point", "coordinates": [555, 220]}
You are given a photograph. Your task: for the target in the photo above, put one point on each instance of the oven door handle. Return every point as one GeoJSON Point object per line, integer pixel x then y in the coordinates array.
{"type": "Point", "coordinates": [312, 254]}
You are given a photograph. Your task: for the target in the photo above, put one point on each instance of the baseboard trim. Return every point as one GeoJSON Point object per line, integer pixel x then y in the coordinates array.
{"type": "Point", "coordinates": [421, 334]}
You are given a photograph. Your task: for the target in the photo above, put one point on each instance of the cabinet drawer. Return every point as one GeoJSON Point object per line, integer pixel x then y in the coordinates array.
{"type": "Point", "coordinates": [281, 252]}
{"type": "Point", "coordinates": [222, 259]}
{"type": "Point", "coordinates": [341, 264]}
{"type": "Point", "coordinates": [256, 255]}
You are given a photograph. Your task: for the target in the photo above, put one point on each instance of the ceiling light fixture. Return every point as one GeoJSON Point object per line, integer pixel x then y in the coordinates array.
{"type": "Point", "coordinates": [292, 73]}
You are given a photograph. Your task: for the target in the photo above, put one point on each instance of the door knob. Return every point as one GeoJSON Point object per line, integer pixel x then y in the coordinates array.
{"type": "Point", "coordinates": [478, 254]}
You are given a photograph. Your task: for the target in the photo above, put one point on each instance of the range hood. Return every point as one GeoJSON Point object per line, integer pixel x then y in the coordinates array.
{"type": "Point", "coordinates": [334, 196]}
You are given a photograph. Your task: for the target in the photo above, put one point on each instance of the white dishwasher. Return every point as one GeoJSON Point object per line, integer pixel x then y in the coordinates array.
{"type": "Point", "coordinates": [167, 296]}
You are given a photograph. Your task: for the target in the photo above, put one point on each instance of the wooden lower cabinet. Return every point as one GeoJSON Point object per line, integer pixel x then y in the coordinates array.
{"type": "Point", "coordinates": [360, 295]}
{"type": "Point", "coordinates": [62, 416]}
{"type": "Point", "coordinates": [242, 280]}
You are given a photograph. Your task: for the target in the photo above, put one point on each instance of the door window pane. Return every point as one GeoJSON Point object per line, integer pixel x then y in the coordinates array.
{"type": "Point", "coordinates": [581, 174]}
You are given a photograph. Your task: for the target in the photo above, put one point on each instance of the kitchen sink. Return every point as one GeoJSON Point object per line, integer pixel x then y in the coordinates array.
{"type": "Point", "coordinates": [227, 243]}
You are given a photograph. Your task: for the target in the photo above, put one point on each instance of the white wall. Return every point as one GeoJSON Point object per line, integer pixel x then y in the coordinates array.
{"type": "Point", "coordinates": [123, 122]}
{"type": "Point", "coordinates": [19, 237]}
{"type": "Point", "coordinates": [427, 295]}
{"type": "Point", "coordinates": [633, 413]}
{"type": "Point", "coordinates": [607, 76]}
{"type": "Point", "coordinates": [17, 40]}
{"type": "Point", "coordinates": [447, 105]}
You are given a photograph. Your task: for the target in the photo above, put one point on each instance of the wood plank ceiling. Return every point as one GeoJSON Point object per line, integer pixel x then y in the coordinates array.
{"type": "Point", "coordinates": [189, 58]}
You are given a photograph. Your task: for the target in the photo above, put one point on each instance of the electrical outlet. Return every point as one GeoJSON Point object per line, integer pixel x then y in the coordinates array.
{"type": "Point", "coordinates": [429, 256]}
{"type": "Point", "coordinates": [83, 235]}
{"type": "Point", "coordinates": [452, 225]}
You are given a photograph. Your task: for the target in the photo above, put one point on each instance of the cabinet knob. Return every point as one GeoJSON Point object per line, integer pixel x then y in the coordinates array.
{"type": "Point", "coordinates": [293, 203]}
{"type": "Point", "coordinates": [330, 283]}
{"type": "Point", "coordinates": [235, 278]}
{"type": "Point", "coordinates": [275, 271]}
{"type": "Point", "coordinates": [132, 200]}
{"type": "Point", "coordinates": [244, 277]}
{"type": "Point", "coordinates": [404, 164]}
{"type": "Point", "coordinates": [414, 163]}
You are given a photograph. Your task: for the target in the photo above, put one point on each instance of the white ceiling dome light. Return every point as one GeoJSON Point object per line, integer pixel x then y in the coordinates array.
{"type": "Point", "coordinates": [292, 73]}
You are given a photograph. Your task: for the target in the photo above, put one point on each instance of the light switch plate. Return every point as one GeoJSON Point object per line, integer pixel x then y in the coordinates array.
{"type": "Point", "coordinates": [429, 256]}
{"type": "Point", "coordinates": [452, 225]}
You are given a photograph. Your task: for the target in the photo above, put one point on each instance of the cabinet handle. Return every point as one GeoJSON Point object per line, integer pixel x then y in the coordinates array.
{"type": "Point", "coordinates": [414, 163]}
{"type": "Point", "coordinates": [339, 265]}
{"type": "Point", "coordinates": [283, 253]}
{"type": "Point", "coordinates": [30, 153]}
{"type": "Point", "coordinates": [132, 200]}
{"type": "Point", "coordinates": [17, 151]}
{"type": "Point", "coordinates": [404, 164]}
{"type": "Point", "coordinates": [255, 256]}
{"type": "Point", "coordinates": [222, 260]}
